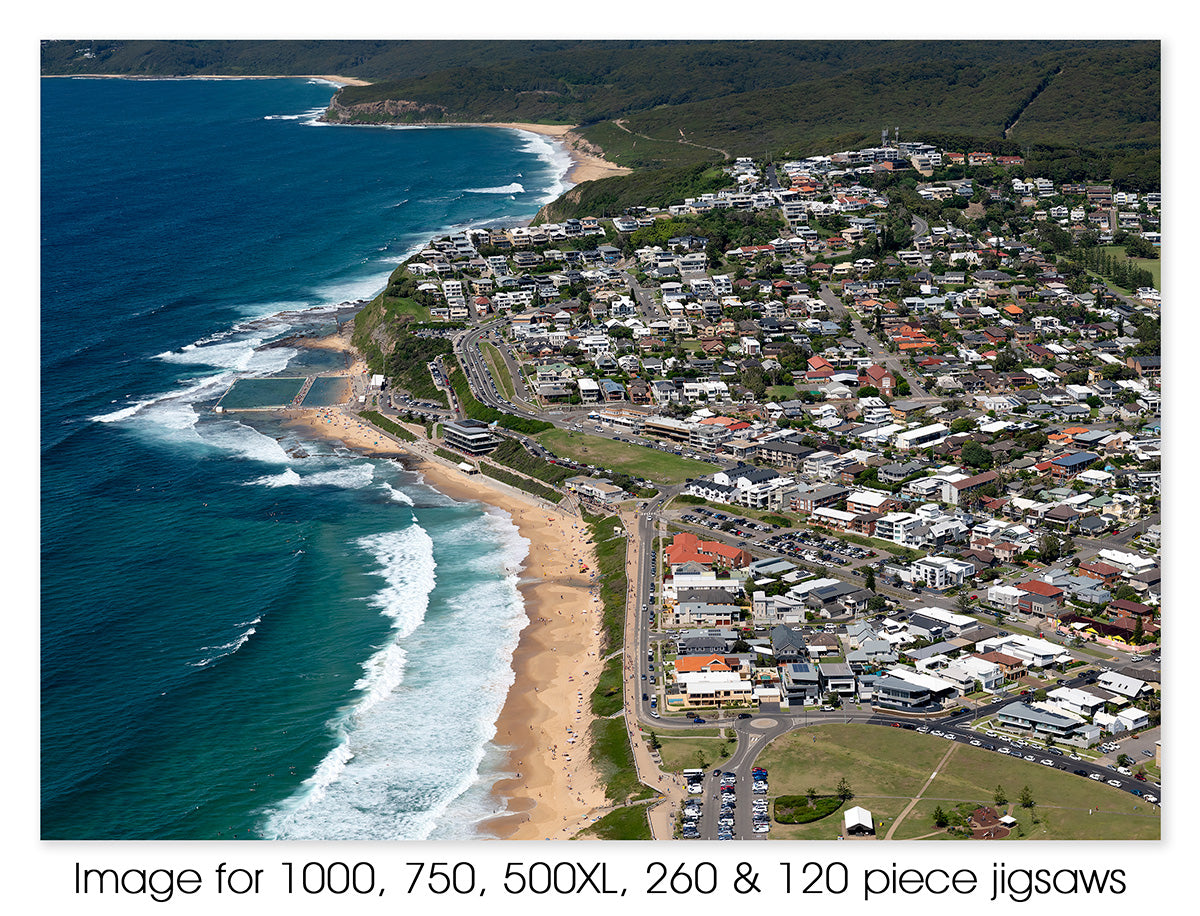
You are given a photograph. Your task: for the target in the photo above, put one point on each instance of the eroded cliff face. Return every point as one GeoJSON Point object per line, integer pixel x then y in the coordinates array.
{"type": "Point", "coordinates": [399, 111]}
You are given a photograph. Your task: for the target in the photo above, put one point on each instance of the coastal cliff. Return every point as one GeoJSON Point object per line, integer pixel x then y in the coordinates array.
{"type": "Point", "coordinates": [383, 111]}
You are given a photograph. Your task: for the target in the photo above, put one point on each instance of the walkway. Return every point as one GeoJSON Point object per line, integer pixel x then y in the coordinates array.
{"type": "Point", "coordinates": [912, 804]}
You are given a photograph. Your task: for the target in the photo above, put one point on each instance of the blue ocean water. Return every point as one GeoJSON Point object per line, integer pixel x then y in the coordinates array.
{"type": "Point", "coordinates": [245, 634]}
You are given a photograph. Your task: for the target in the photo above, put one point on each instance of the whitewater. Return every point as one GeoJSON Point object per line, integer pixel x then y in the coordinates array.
{"type": "Point", "coordinates": [247, 633]}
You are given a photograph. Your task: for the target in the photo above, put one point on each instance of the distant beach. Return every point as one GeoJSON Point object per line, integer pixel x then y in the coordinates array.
{"type": "Point", "coordinates": [587, 164]}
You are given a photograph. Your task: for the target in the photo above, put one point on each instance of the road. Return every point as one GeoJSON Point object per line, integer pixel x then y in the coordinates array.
{"type": "Point", "coordinates": [878, 352]}
{"type": "Point", "coordinates": [755, 731]}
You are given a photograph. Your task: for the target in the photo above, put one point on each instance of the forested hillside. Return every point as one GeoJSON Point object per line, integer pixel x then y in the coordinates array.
{"type": "Point", "coordinates": [655, 104]}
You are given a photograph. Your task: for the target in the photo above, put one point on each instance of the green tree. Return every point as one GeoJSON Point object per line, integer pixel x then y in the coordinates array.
{"type": "Point", "coordinates": [999, 796]}
{"type": "Point", "coordinates": [1049, 548]}
{"type": "Point", "coordinates": [1026, 798]}
{"type": "Point", "coordinates": [940, 818]}
{"type": "Point", "coordinates": [975, 455]}
{"type": "Point", "coordinates": [869, 578]}
{"type": "Point", "coordinates": [844, 792]}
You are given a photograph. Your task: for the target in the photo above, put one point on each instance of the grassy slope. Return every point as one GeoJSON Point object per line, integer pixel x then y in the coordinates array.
{"type": "Point", "coordinates": [631, 459]}
{"type": "Point", "coordinates": [887, 767]}
{"type": "Point", "coordinates": [1154, 265]}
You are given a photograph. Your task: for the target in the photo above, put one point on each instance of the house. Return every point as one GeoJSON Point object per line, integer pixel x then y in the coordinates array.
{"type": "Point", "coordinates": [1041, 722]}
{"type": "Point", "coordinates": [788, 644]}
{"type": "Point", "coordinates": [1124, 685]}
{"type": "Point", "coordinates": [801, 683]}
{"type": "Point", "coordinates": [1039, 598]}
{"type": "Point", "coordinates": [601, 491]}
{"type": "Point", "coordinates": [688, 547]}
{"type": "Point", "coordinates": [958, 491]}
{"type": "Point", "coordinates": [837, 677]}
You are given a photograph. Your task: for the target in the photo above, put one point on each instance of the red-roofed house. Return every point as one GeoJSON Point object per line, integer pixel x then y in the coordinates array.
{"type": "Point", "coordinates": [879, 377]}
{"type": "Point", "coordinates": [688, 548]}
{"type": "Point", "coordinates": [1102, 571]}
{"type": "Point", "coordinates": [1040, 598]}
{"type": "Point", "coordinates": [690, 664]}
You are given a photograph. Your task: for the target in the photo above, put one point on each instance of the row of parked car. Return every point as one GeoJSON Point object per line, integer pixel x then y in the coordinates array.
{"type": "Point", "coordinates": [825, 547]}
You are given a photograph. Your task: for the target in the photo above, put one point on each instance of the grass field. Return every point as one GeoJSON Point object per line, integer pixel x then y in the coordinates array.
{"type": "Point", "coordinates": [1154, 265]}
{"type": "Point", "coordinates": [622, 456]}
{"type": "Point", "coordinates": [499, 369]}
{"type": "Point", "coordinates": [886, 768]}
{"type": "Point", "coordinates": [684, 753]}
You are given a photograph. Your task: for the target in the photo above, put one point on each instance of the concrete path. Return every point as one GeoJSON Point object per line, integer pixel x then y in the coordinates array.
{"type": "Point", "coordinates": [912, 804]}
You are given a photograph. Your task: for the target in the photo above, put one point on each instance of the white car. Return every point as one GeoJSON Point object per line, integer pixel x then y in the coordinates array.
{"type": "Point", "coordinates": [1095, 776]}
{"type": "Point", "coordinates": [1153, 799]}
{"type": "Point", "coordinates": [975, 742]}
{"type": "Point", "coordinates": [1115, 782]}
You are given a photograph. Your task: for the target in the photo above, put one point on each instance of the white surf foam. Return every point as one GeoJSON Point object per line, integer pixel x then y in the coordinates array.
{"type": "Point", "coordinates": [398, 495]}
{"type": "Point", "coordinates": [225, 650]}
{"type": "Point", "coordinates": [354, 477]}
{"type": "Point", "coordinates": [401, 765]}
{"type": "Point", "coordinates": [515, 188]}
{"type": "Point", "coordinates": [554, 154]}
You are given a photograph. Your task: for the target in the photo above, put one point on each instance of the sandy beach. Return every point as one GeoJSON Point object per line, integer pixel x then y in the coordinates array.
{"type": "Point", "coordinates": [587, 160]}
{"type": "Point", "coordinates": [546, 718]}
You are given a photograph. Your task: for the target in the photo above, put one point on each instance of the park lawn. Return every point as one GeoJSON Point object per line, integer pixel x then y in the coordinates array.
{"type": "Point", "coordinates": [873, 760]}
{"type": "Point", "coordinates": [687, 753]}
{"type": "Point", "coordinates": [635, 460]}
{"type": "Point", "coordinates": [499, 369]}
{"type": "Point", "coordinates": [883, 810]}
{"type": "Point", "coordinates": [896, 763]}
{"type": "Point", "coordinates": [608, 698]}
{"type": "Point", "coordinates": [612, 757]}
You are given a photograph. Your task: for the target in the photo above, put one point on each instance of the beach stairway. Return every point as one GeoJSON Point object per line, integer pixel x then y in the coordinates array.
{"type": "Point", "coordinates": [303, 392]}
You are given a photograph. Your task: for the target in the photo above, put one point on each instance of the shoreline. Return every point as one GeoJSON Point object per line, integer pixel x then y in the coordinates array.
{"type": "Point", "coordinates": [587, 160]}
{"type": "Point", "coordinates": [338, 80]}
{"type": "Point", "coordinates": [544, 724]}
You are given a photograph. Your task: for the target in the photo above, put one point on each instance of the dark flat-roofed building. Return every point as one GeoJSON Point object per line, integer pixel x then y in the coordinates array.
{"type": "Point", "coordinates": [471, 436]}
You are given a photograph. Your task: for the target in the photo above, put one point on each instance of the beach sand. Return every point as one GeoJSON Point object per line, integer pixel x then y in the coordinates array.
{"type": "Point", "coordinates": [546, 718]}
{"type": "Point", "coordinates": [587, 160]}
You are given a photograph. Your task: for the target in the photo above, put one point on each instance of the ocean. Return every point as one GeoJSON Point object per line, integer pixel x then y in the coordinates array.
{"type": "Point", "coordinates": [245, 634]}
